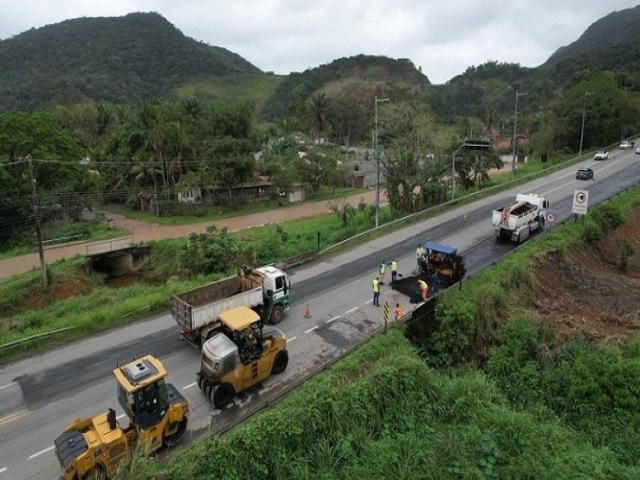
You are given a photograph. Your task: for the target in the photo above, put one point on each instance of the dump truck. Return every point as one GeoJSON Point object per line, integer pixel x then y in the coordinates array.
{"type": "Point", "coordinates": [242, 354]}
{"type": "Point", "coordinates": [518, 220]}
{"type": "Point", "coordinates": [197, 311]}
{"type": "Point", "coordinates": [92, 448]}
{"type": "Point", "coordinates": [444, 261]}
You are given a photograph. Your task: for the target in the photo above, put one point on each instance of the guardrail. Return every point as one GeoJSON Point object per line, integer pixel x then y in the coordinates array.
{"type": "Point", "coordinates": [53, 241]}
{"type": "Point", "coordinates": [17, 343]}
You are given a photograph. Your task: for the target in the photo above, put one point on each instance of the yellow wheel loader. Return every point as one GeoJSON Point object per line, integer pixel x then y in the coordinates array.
{"type": "Point", "coordinates": [91, 448]}
{"type": "Point", "coordinates": [242, 355]}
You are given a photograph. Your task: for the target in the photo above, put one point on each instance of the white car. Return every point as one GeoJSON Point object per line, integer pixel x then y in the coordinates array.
{"type": "Point", "coordinates": [638, 149]}
{"type": "Point", "coordinates": [625, 145]}
{"type": "Point", "coordinates": [601, 155]}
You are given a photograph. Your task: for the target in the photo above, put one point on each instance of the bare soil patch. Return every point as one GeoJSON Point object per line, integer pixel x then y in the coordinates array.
{"type": "Point", "coordinates": [587, 294]}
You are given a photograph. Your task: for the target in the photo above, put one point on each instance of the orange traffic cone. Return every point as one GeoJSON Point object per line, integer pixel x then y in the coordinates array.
{"type": "Point", "coordinates": [307, 312]}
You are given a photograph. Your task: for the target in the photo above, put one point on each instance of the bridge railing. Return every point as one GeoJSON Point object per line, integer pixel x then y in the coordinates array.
{"type": "Point", "coordinates": [110, 245]}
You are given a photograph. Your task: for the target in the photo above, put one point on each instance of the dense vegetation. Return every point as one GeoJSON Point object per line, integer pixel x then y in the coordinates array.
{"type": "Point", "coordinates": [489, 393]}
{"type": "Point", "coordinates": [612, 31]}
{"type": "Point", "coordinates": [123, 59]}
{"type": "Point", "coordinates": [71, 300]}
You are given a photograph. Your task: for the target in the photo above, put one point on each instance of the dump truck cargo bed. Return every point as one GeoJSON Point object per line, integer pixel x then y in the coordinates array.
{"type": "Point", "coordinates": [199, 307]}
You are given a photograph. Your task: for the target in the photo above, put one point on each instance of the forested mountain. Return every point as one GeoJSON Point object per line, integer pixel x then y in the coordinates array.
{"type": "Point", "coordinates": [141, 56]}
{"type": "Point", "coordinates": [614, 30]}
{"type": "Point", "coordinates": [115, 59]}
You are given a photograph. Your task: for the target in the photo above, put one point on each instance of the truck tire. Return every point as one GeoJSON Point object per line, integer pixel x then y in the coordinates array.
{"type": "Point", "coordinates": [174, 439]}
{"type": "Point", "coordinates": [222, 395]}
{"type": "Point", "coordinates": [280, 362]}
{"type": "Point", "coordinates": [277, 313]}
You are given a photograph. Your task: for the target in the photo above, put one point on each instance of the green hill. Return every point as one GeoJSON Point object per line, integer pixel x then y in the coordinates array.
{"type": "Point", "coordinates": [353, 78]}
{"type": "Point", "coordinates": [115, 59]}
{"type": "Point", "coordinates": [237, 88]}
{"type": "Point", "coordinates": [614, 30]}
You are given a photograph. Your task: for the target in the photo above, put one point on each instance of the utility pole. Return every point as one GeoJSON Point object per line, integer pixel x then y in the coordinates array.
{"type": "Point", "coordinates": [377, 100]}
{"type": "Point", "coordinates": [36, 213]}
{"type": "Point", "coordinates": [584, 111]}
{"type": "Point", "coordinates": [515, 126]}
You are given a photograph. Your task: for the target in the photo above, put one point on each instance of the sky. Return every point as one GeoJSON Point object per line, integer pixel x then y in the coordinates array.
{"type": "Point", "coordinates": [441, 37]}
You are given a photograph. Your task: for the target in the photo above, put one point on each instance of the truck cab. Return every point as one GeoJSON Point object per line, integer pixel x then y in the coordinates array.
{"type": "Point", "coordinates": [276, 287]}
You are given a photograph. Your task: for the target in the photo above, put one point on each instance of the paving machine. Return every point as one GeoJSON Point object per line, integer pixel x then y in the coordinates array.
{"type": "Point", "coordinates": [91, 448]}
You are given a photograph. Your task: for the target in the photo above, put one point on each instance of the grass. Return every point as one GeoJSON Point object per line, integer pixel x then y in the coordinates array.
{"type": "Point", "coordinates": [214, 213]}
{"type": "Point", "coordinates": [236, 89]}
{"type": "Point", "coordinates": [382, 413]}
{"type": "Point", "coordinates": [57, 233]}
{"type": "Point", "coordinates": [260, 245]}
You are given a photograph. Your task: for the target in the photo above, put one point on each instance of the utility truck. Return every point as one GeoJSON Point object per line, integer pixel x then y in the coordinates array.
{"type": "Point", "coordinates": [91, 448]}
{"type": "Point", "coordinates": [518, 220]}
{"type": "Point", "coordinates": [242, 354]}
{"type": "Point", "coordinates": [197, 311]}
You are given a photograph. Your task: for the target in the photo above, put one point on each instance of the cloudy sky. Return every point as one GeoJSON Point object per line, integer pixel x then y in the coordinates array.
{"type": "Point", "coordinates": [283, 36]}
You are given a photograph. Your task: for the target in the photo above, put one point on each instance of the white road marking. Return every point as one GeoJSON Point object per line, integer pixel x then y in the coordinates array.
{"type": "Point", "coordinates": [122, 415]}
{"type": "Point", "coordinates": [291, 339]}
{"type": "Point", "coordinates": [2, 470]}
{"type": "Point", "coordinates": [37, 454]}
{"type": "Point", "coordinates": [189, 386]}
{"type": "Point", "coordinates": [334, 319]}
{"type": "Point", "coordinates": [8, 385]}
{"type": "Point", "coordinates": [351, 311]}
{"type": "Point", "coordinates": [311, 329]}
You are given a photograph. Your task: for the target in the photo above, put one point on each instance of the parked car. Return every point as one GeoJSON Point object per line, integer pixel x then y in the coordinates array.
{"type": "Point", "coordinates": [601, 155]}
{"type": "Point", "coordinates": [638, 149]}
{"type": "Point", "coordinates": [625, 145]}
{"type": "Point", "coordinates": [584, 173]}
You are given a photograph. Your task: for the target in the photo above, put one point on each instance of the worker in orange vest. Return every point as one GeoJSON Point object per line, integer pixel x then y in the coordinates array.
{"type": "Point", "coordinates": [399, 312]}
{"type": "Point", "coordinates": [424, 289]}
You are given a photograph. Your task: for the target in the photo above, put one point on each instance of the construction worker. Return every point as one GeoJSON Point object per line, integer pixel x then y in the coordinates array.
{"type": "Point", "coordinates": [434, 283]}
{"type": "Point", "coordinates": [394, 270]}
{"type": "Point", "coordinates": [381, 271]}
{"type": "Point", "coordinates": [376, 292]}
{"type": "Point", "coordinates": [399, 312]}
{"type": "Point", "coordinates": [424, 289]}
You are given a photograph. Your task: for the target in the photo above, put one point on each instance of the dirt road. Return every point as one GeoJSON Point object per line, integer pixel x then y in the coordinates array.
{"type": "Point", "coordinates": [145, 232]}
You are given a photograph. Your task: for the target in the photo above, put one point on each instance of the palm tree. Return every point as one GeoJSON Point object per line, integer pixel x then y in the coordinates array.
{"type": "Point", "coordinates": [318, 109]}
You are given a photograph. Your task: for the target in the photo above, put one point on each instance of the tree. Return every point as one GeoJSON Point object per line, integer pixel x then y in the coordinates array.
{"type": "Point", "coordinates": [473, 165]}
{"type": "Point", "coordinates": [318, 109]}
{"type": "Point", "coordinates": [410, 140]}
{"type": "Point", "coordinates": [315, 168]}
{"type": "Point", "coordinates": [60, 178]}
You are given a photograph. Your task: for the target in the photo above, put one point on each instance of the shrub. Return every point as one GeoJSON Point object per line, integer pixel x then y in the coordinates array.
{"type": "Point", "coordinates": [607, 216]}
{"type": "Point", "coordinates": [626, 250]}
{"type": "Point", "coordinates": [454, 329]}
{"type": "Point", "coordinates": [592, 233]}
{"type": "Point", "coordinates": [209, 252]}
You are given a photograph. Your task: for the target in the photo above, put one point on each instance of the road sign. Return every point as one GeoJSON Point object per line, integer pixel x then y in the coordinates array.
{"type": "Point", "coordinates": [580, 201]}
{"type": "Point", "coordinates": [551, 218]}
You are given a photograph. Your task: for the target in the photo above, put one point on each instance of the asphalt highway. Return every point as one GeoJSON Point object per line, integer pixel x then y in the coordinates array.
{"type": "Point", "coordinates": [39, 396]}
